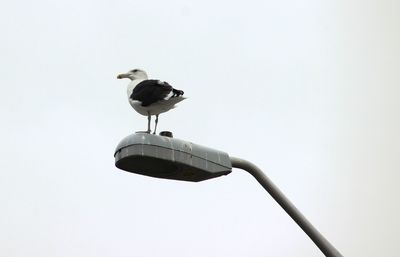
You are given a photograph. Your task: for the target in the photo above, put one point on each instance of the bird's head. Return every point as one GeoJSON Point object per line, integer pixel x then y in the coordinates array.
{"type": "Point", "coordinates": [133, 74]}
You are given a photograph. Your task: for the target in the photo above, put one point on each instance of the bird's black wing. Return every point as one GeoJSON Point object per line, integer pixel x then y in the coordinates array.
{"type": "Point", "coordinates": [150, 91]}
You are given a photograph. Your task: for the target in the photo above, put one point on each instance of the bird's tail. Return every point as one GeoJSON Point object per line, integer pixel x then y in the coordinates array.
{"type": "Point", "coordinates": [177, 92]}
{"type": "Point", "coordinates": [175, 100]}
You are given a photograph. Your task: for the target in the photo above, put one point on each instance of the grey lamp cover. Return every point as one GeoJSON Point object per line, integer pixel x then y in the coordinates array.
{"type": "Point", "coordinates": [170, 158]}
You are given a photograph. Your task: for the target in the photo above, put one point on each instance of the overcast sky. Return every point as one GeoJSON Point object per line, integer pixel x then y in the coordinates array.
{"type": "Point", "coordinates": [307, 90]}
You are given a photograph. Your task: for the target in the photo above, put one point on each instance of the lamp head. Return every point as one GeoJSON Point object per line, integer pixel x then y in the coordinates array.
{"type": "Point", "coordinates": [170, 158]}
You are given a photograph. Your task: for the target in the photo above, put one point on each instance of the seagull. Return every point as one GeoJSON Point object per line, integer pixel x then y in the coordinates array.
{"type": "Point", "coordinates": [150, 96]}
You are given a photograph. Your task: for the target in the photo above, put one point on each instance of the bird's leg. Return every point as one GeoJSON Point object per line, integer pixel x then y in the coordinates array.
{"type": "Point", "coordinates": [148, 123]}
{"type": "Point", "coordinates": [155, 128]}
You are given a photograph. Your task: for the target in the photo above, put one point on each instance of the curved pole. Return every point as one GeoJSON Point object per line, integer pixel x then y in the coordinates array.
{"type": "Point", "coordinates": [293, 212]}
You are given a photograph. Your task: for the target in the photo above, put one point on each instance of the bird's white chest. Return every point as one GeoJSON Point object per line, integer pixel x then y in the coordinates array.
{"type": "Point", "coordinates": [137, 105]}
{"type": "Point", "coordinates": [153, 109]}
{"type": "Point", "coordinates": [132, 85]}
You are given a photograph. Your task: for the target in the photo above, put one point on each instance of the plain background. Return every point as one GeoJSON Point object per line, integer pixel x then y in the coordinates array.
{"type": "Point", "coordinates": [307, 90]}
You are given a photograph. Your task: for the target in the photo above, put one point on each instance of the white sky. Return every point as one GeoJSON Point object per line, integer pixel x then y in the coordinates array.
{"type": "Point", "coordinates": [307, 90]}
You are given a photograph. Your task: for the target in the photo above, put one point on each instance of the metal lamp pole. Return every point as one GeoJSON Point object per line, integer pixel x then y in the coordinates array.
{"type": "Point", "coordinates": [290, 209]}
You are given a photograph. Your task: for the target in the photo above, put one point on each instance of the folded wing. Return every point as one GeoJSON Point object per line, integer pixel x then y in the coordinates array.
{"type": "Point", "coordinates": [151, 91]}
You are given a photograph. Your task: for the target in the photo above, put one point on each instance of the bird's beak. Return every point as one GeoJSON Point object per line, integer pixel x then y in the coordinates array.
{"type": "Point", "coordinates": [121, 76]}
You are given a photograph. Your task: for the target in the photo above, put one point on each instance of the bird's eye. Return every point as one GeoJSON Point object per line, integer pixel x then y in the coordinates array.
{"type": "Point", "coordinates": [135, 70]}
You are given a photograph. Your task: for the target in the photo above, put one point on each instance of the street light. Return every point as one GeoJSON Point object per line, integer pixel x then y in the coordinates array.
{"type": "Point", "coordinates": [171, 158]}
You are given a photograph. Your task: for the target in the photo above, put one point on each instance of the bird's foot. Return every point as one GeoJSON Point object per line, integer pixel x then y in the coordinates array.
{"type": "Point", "coordinates": [147, 132]}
